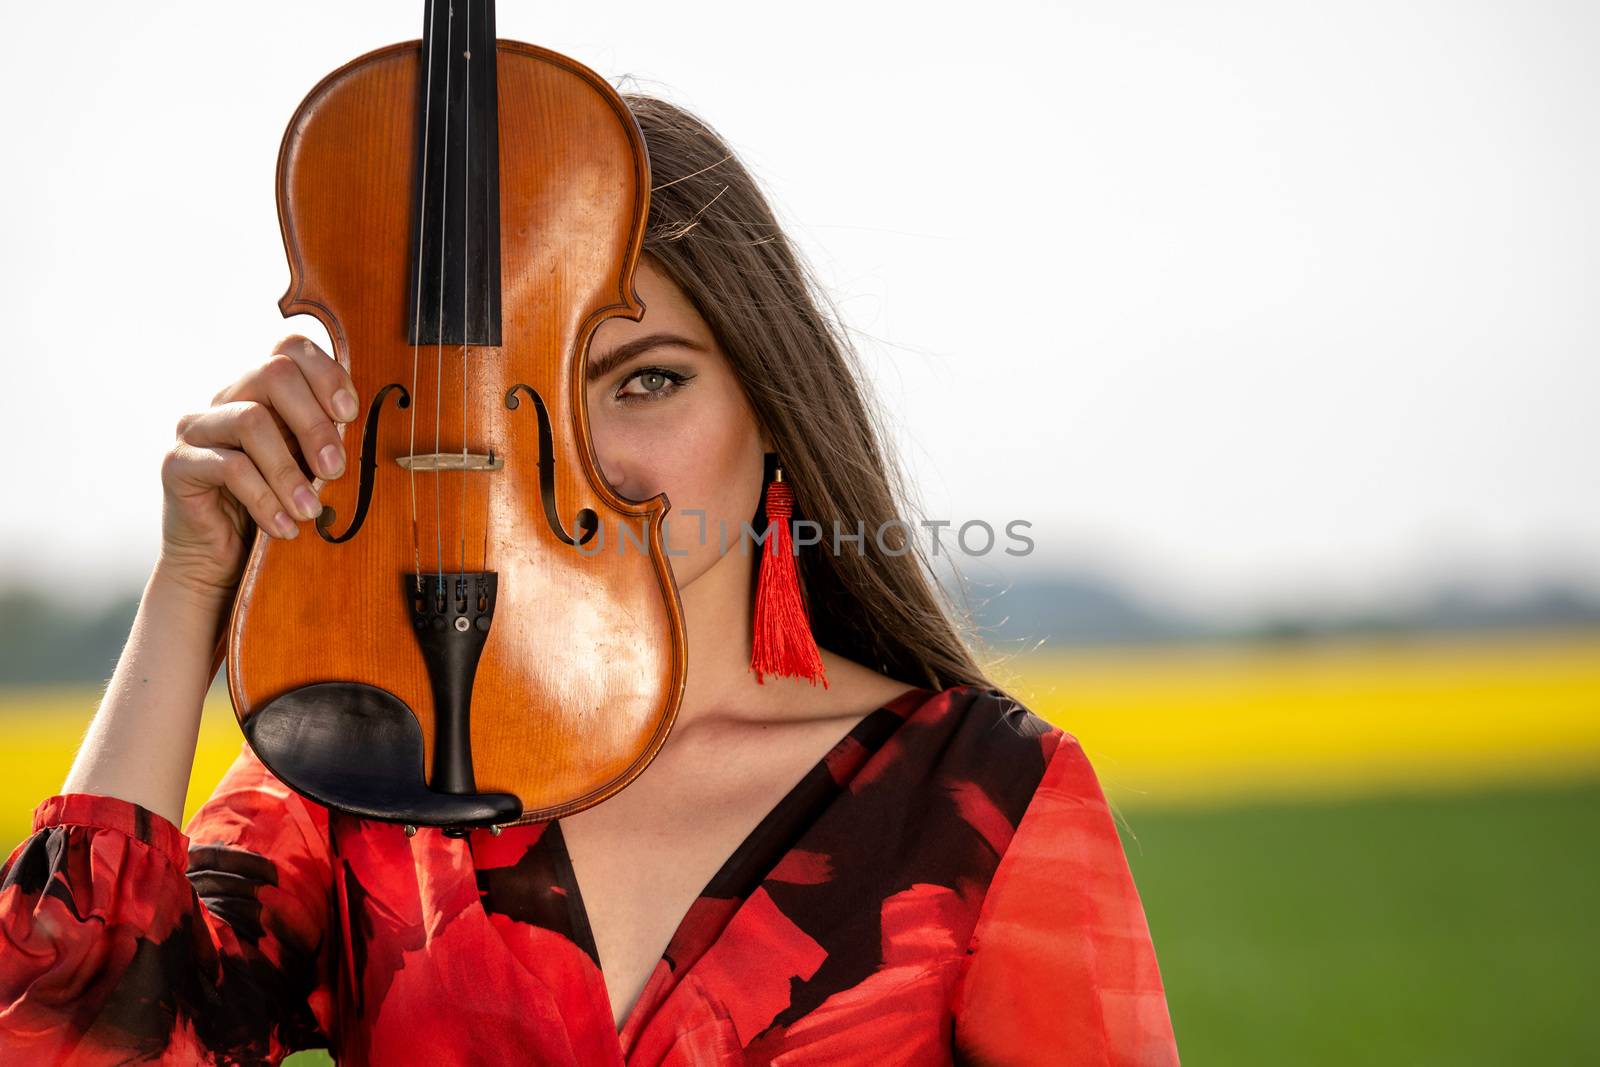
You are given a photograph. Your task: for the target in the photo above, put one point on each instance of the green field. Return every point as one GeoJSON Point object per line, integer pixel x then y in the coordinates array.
{"type": "Point", "coordinates": [1413, 930]}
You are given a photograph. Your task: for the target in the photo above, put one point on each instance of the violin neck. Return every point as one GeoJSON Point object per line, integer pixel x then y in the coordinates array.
{"type": "Point", "coordinates": [455, 223]}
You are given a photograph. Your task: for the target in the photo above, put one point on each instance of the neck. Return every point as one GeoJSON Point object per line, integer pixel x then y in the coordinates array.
{"type": "Point", "coordinates": [717, 609]}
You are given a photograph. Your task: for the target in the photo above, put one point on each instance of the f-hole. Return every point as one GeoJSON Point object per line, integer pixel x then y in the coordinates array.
{"type": "Point", "coordinates": [588, 521]}
{"type": "Point", "coordinates": [369, 467]}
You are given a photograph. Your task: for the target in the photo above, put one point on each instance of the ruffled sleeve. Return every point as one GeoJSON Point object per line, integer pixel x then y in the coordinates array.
{"type": "Point", "coordinates": [125, 939]}
{"type": "Point", "coordinates": [1060, 967]}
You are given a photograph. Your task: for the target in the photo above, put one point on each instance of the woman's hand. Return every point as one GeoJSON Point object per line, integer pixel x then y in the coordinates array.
{"type": "Point", "coordinates": [248, 461]}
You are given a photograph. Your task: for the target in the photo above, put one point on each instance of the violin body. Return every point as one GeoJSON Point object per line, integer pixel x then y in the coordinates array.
{"type": "Point", "coordinates": [450, 647]}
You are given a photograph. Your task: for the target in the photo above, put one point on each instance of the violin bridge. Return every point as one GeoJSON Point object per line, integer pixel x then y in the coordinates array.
{"type": "Point", "coordinates": [452, 461]}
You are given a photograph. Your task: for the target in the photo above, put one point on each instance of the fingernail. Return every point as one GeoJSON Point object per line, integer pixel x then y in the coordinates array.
{"type": "Point", "coordinates": [306, 501]}
{"type": "Point", "coordinates": [344, 404]}
{"type": "Point", "coordinates": [332, 461]}
{"type": "Point", "coordinates": [285, 525]}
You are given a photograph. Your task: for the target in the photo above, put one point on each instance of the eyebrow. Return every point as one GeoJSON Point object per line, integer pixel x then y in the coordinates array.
{"type": "Point", "coordinates": [600, 366]}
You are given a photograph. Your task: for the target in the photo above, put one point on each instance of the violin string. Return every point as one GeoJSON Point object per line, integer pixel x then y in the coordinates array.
{"type": "Point", "coordinates": [438, 355]}
{"type": "Point", "coordinates": [466, 243]}
{"type": "Point", "coordinates": [416, 322]}
{"type": "Point", "coordinates": [491, 175]}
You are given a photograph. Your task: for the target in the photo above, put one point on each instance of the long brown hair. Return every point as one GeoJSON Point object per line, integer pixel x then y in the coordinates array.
{"type": "Point", "coordinates": [714, 234]}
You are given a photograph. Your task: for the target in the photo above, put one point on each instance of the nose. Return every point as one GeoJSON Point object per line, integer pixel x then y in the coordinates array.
{"type": "Point", "coordinates": [613, 470]}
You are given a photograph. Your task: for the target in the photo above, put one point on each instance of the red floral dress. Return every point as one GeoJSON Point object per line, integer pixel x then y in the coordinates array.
{"type": "Point", "coordinates": [946, 886]}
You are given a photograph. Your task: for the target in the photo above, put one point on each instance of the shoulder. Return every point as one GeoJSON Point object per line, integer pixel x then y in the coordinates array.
{"type": "Point", "coordinates": [974, 749]}
{"type": "Point", "coordinates": [988, 725]}
{"type": "Point", "coordinates": [1039, 766]}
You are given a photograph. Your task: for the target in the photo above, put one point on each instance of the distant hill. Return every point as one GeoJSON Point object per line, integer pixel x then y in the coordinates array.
{"type": "Point", "coordinates": [1071, 608]}
{"type": "Point", "coordinates": [42, 642]}
{"type": "Point", "coordinates": [1066, 608]}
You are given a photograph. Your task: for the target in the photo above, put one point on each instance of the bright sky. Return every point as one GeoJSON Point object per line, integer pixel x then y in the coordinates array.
{"type": "Point", "coordinates": [1251, 303]}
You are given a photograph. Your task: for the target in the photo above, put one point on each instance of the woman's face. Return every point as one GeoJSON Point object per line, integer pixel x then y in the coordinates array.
{"type": "Point", "coordinates": [668, 416]}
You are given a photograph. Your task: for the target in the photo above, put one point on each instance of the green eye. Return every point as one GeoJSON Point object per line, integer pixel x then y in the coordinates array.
{"type": "Point", "coordinates": [658, 383]}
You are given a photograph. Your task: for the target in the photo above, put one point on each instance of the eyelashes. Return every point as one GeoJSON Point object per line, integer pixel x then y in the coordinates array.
{"type": "Point", "coordinates": [674, 382]}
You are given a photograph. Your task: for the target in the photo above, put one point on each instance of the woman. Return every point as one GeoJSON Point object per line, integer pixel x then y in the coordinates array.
{"type": "Point", "coordinates": [901, 866]}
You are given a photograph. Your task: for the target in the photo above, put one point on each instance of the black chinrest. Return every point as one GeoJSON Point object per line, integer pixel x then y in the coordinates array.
{"type": "Point", "coordinates": [358, 748]}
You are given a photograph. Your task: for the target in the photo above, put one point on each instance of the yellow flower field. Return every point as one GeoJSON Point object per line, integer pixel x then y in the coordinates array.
{"type": "Point", "coordinates": [1183, 725]}
{"type": "Point", "coordinates": [1164, 726]}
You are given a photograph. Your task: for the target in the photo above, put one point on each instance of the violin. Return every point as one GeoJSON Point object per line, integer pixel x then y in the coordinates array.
{"type": "Point", "coordinates": [457, 647]}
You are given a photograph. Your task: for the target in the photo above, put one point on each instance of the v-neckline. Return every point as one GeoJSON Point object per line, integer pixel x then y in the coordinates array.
{"type": "Point", "coordinates": [861, 732]}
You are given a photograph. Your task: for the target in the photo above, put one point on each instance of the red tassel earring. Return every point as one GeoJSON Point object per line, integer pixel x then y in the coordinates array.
{"type": "Point", "coordinates": [783, 644]}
